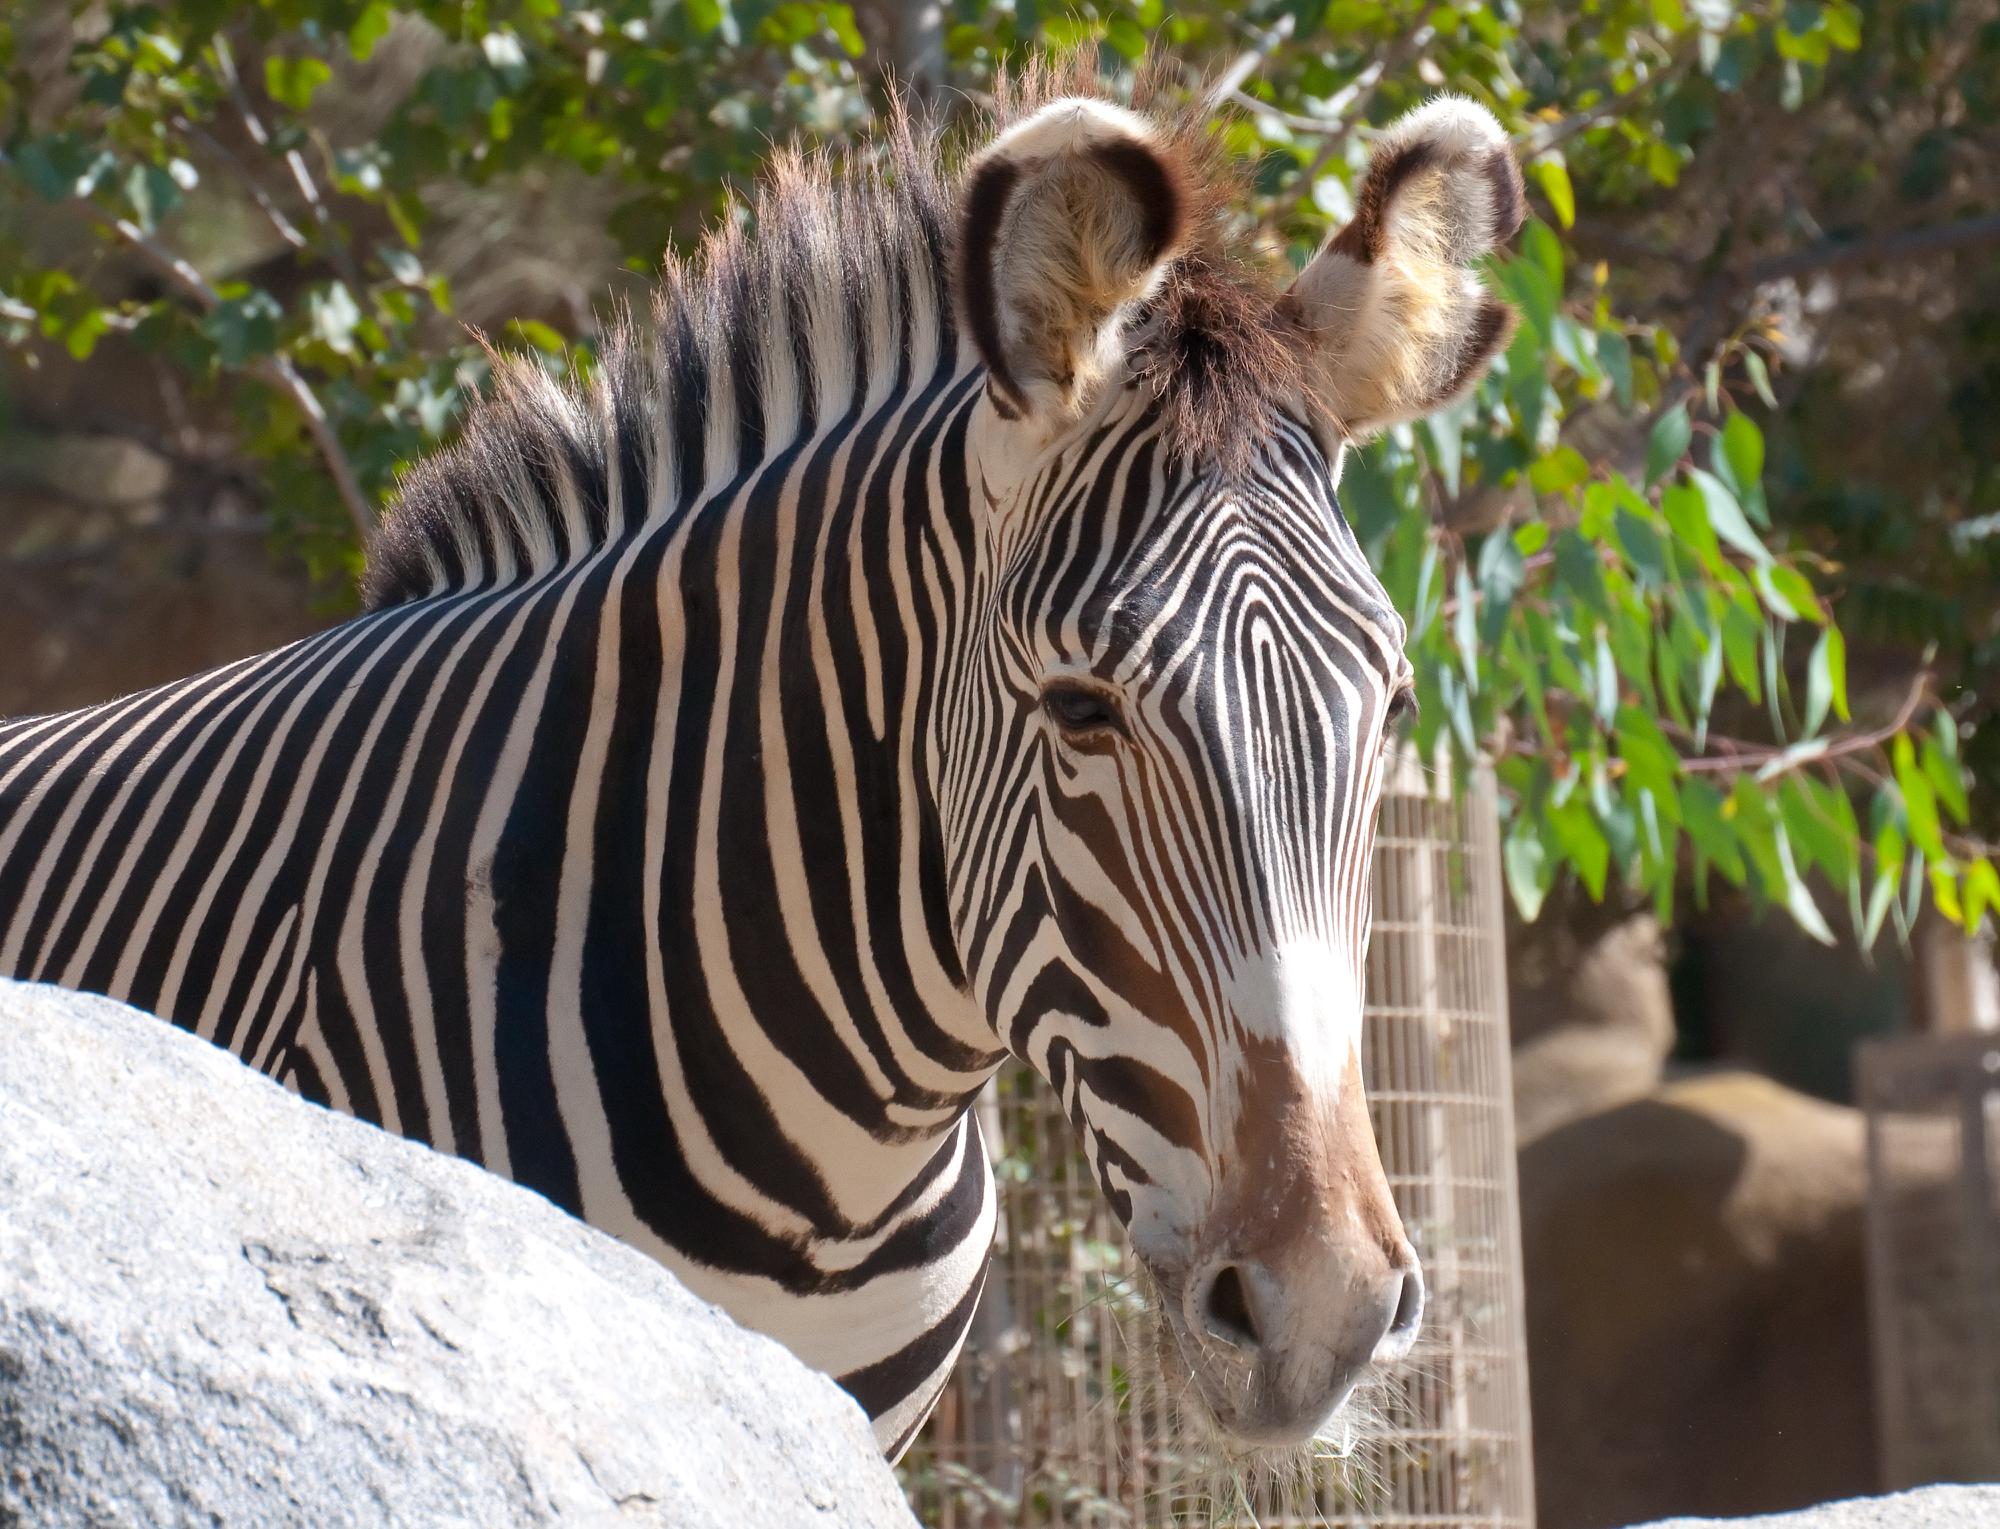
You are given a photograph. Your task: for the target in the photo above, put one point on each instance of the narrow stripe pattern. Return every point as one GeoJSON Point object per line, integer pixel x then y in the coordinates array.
{"type": "Point", "coordinates": [684, 833]}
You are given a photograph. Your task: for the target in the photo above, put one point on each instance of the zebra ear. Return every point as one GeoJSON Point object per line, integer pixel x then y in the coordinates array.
{"type": "Point", "coordinates": [1399, 323]}
{"type": "Point", "coordinates": [1069, 218]}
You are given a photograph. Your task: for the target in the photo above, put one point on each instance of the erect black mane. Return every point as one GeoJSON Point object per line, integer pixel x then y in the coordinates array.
{"type": "Point", "coordinates": [544, 471]}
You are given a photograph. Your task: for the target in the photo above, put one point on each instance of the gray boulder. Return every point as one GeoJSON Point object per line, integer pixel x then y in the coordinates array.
{"type": "Point", "coordinates": [1941, 1507]}
{"type": "Point", "coordinates": [222, 1305]}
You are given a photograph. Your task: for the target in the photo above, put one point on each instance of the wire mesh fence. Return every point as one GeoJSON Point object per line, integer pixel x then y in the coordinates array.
{"type": "Point", "coordinates": [1069, 1406]}
{"type": "Point", "coordinates": [1933, 1105]}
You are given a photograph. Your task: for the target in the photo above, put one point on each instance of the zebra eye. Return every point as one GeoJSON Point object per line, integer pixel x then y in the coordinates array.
{"type": "Point", "coordinates": [1078, 709]}
{"type": "Point", "coordinates": [1403, 706]}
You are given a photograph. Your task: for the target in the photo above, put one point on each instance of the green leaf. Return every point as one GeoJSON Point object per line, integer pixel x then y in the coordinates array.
{"type": "Point", "coordinates": [1530, 871]}
{"type": "Point", "coordinates": [1881, 897]}
{"type": "Point", "coordinates": [1561, 469]}
{"type": "Point", "coordinates": [1919, 800]}
{"type": "Point", "coordinates": [1982, 893]}
{"type": "Point", "coordinates": [1579, 571]}
{"type": "Point", "coordinates": [1711, 682]}
{"type": "Point", "coordinates": [1787, 592]}
{"type": "Point", "coordinates": [1123, 34]}
{"type": "Point", "coordinates": [1947, 780]}
{"type": "Point", "coordinates": [1760, 378]}
{"type": "Point", "coordinates": [1798, 897]}
{"type": "Point", "coordinates": [84, 332]}
{"type": "Point", "coordinates": [1650, 761]}
{"type": "Point", "coordinates": [244, 327]}
{"type": "Point", "coordinates": [1739, 462]}
{"type": "Point", "coordinates": [153, 192]}
{"type": "Point", "coordinates": [1944, 892]}
{"type": "Point", "coordinates": [1704, 812]}
{"type": "Point", "coordinates": [1687, 517]}
{"type": "Point", "coordinates": [1540, 245]}
{"type": "Point", "coordinates": [1643, 547]}
{"type": "Point", "coordinates": [369, 28]}
{"type": "Point", "coordinates": [1668, 443]}
{"type": "Point", "coordinates": [334, 317]}
{"type": "Point", "coordinates": [1538, 296]}
{"type": "Point", "coordinates": [540, 335]}
{"type": "Point", "coordinates": [1604, 681]}
{"type": "Point", "coordinates": [1826, 679]}
{"type": "Point", "coordinates": [1820, 830]}
{"type": "Point", "coordinates": [1583, 843]}
{"type": "Point", "coordinates": [1502, 569]}
{"type": "Point", "coordinates": [1552, 175]}
{"type": "Point", "coordinates": [1725, 516]}
{"type": "Point", "coordinates": [1614, 358]}
{"type": "Point", "coordinates": [1465, 626]}
{"type": "Point", "coordinates": [1743, 449]}
{"type": "Point", "coordinates": [293, 81]}
{"type": "Point", "coordinates": [840, 21]}
{"type": "Point", "coordinates": [1742, 642]}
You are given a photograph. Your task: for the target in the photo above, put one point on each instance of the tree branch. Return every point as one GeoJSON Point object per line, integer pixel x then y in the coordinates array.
{"type": "Point", "coordinates": [1248, 62]}
{"type": "Point", "coordinates": [1351, 104]}
{"type": "Point", "coordinates": [273, 370]}
{"type": "Point", "coordinates": [15, 311]}
{"type": "Point", "coordinates": [1559, 133]}
{"type": "Point", "coordinates": [273, 213]}
{"type": "Point", "coordinates": [1737, 757]}
{"type": "Point", "coordinates": [1905, 244]}
{"type": "Point", "coordinates": [1298, 124]}
{"type": "Point", "coordinates": [225, 63]}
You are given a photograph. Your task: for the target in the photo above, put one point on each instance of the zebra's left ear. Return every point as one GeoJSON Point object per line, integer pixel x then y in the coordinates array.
{"type": "Point", "coordinates": [1069, 218]}
{"type": "Point", "coordinates": [1399, 323]}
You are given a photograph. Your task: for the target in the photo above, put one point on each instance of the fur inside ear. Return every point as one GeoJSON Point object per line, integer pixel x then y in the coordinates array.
{"type": "Point", "coordinates": [1400, 325]}
{"type": "Point", "coordinates": [1069, 218]}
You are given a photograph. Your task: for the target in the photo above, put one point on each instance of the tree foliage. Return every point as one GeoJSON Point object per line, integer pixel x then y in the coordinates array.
{"type": "Point", "coordinates": [1598, 596]}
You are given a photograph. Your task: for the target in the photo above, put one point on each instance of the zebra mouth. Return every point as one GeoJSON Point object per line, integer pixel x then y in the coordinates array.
{"type": "Point", "coordinates": [1274, 1368]}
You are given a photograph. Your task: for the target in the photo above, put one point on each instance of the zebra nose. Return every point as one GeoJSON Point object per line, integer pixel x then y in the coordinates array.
{"type": "Point", "coordinates": [1306, 1335]}
{"type": "Point", "coordinates": [1225, 1312]}
{"type": "Point", "coordinates": [1408, 1317]}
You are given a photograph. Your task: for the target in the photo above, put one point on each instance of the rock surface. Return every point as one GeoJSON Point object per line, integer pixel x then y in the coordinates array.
{"type": "Point", "coordinates": [1944, 1507]}
{"type": "Point", "coordinates": [1589, 1010]}
{"type": "Point", "coordinates": [1696, 1302]}
{"type": "Point", "coordinates": [222, 1305]}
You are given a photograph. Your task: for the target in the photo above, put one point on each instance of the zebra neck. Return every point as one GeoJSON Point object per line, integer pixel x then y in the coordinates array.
{"type": "Point", "coordinates": [803, 617]}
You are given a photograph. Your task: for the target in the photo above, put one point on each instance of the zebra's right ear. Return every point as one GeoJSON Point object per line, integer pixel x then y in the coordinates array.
{"type": "Point", "coordinates": [1069, 218]}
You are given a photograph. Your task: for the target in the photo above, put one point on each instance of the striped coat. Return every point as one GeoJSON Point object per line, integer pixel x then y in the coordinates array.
{"type": "Point", "coordinates": [933, 636]}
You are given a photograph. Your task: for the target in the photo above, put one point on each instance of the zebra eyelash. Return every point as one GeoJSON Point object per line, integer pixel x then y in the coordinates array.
{"type": "Point", "coordinates": [1402, 707]}
{"type": "Point", "coordinates": [1082, 713]}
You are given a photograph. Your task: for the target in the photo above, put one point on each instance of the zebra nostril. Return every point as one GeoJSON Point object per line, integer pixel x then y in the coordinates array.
{"type": "Point", "coordinates": [1408, 1318]}
{"type": "Point", "coordinates": [1225, 1309]}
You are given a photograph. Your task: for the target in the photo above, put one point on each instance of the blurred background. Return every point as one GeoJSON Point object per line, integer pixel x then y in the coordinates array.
{"type": "Point", "coordinates": [248, 253]}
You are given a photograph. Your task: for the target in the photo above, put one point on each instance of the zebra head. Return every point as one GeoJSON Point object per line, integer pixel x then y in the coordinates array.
{"type": "Point", "coordinates": [1164, 739]}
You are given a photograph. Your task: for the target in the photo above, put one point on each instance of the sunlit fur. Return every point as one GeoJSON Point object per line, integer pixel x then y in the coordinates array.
{"type": "Point", "coordinates": [682, 832]}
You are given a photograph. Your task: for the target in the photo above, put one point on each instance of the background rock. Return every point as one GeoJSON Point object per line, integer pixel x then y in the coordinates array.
{"type": "Point", "coordinates": [1588, 1007]}
{"type": "Point", "coordinates": [1697, 1312]}
{"type": "Point", "coordinates": [1947, 1507]}
{"type": "Point", "coordinates": [220, 1304]}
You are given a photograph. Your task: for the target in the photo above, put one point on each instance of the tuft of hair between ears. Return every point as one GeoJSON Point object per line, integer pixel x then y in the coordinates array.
{"type": "Point", "coordinates": [1212, 340]}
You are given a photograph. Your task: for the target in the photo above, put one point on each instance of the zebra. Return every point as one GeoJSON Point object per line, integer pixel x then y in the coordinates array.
{"type": "Point", "coordinates": [934, 636]}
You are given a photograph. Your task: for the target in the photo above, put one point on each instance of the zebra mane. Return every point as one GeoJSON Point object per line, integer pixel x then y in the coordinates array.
{"type": "Point", "coordinates": [839, 296]}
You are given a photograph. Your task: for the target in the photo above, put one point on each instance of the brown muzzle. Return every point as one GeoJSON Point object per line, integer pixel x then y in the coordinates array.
{"type": "Point", "coordinates": [1300, 1277]}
